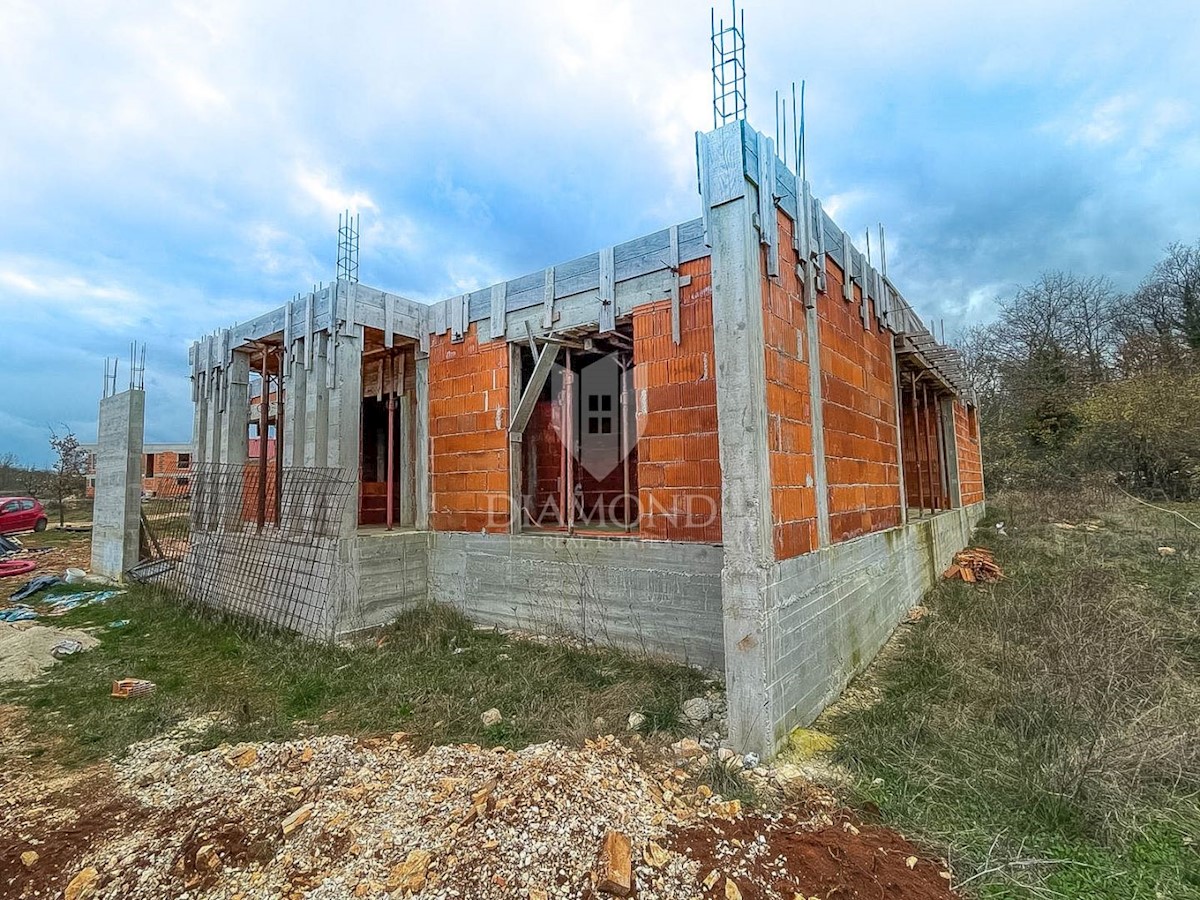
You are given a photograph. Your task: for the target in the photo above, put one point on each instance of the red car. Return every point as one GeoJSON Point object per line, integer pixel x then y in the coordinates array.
{"type": "Point", "coordinates": [21, 514]}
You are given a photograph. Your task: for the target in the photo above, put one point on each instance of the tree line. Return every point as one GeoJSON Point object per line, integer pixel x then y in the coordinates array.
{"type": "Point", "coordinates": [1076, 378]}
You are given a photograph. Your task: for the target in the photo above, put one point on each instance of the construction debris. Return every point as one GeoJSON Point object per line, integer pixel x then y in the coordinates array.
{"type": "Point", "coordinates": [974, 564]}
{"type": "Point", "coordinates": [128, 688]}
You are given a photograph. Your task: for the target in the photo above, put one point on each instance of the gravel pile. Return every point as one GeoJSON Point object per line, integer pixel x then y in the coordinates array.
{"type": "Point", "coordinates": [335, 817]}
{"type": "Point", "coordinates": [340, 817]}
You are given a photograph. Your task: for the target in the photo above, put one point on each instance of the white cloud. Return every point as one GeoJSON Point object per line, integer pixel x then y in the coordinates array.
{"type": "Point", "coordinates": [37, 292]}
{"type": "Point", "coordinates": [330, 199]}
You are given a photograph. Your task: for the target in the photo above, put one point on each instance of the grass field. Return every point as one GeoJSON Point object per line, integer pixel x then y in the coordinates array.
{"type": "Point", "coordinates": [431, 674]}
{"type": "Point", "coordinates": [1046, 729]}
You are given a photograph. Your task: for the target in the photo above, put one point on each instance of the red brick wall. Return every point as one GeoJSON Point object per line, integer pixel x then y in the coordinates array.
{"type": "Point", "coordinates": [970, 459]}
{"type": "Point", "coordinates": [859, 414]}
{"type": "Point", "coordinates": [675, 395]}
{"type": "Point", "coordinates": [789, 409]}
{"type": "Point", "coordinates": [543, 463]}
{"type": "Point", "coordinates": [923, 474]}
{"type": "Point", "coordinates": [468, 433]}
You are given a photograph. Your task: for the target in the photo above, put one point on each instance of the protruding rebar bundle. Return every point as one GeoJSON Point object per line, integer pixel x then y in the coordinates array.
{"type": "Point", "coordinates": [347, 259]}
{"type": "Point", "coordinates": [729, 67]}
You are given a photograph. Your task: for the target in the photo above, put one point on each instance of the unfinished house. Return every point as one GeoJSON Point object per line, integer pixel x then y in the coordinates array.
{"type": "Point", "coordinates": [165, 469]}
{"type": "Point", "coordinates": [730, 442]}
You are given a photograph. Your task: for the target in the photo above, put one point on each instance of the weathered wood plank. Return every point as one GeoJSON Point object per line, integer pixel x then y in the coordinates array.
{"type": "Point", "coordinates": [608, 301]}
{"type": "Point", "coordinates": [499, 309]}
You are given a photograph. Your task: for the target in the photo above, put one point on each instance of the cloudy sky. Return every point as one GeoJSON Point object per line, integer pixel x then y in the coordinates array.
{"type": "Point", "coordinates": [170, 167]}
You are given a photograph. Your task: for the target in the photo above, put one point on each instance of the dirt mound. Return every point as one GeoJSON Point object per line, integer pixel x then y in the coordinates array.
{"type": "Point", "coordinates": [785, 856]}
{"type": "Point", "coordinates": [339, 817]}
{"type": "Point", "coordinates": [25, 648]}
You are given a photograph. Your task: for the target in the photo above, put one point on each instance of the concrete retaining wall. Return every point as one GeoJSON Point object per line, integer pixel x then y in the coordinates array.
{"type": "Point", "coordinates": [830, 612]}
{"type": "Point", "coordinates": [393, 576]}
{"type": "Point", "coordinates": [659, 597]}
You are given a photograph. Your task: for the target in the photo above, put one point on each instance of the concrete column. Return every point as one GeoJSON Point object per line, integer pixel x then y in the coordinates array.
{"type": "Point", "coordinates": [737, 300]}
{"type": "Point", "coordinates": [316, 405]}
{"type": "Point", "coordinates": [295, 395]}
{"type": "Point", "coordinates": [345, 415]}
{"type": "Point", "coordinates": [200, 420]}
{"type": "Point", "coordinates": [234, 429]}
{"type": "Point", "coordinates": [344, 355]}
{"type": "Point", "coordinates": [213, 412]}
{"type": "Point", "coordinates": [116, 517]}
{"type": "Point", "coordinates": [421, 442]}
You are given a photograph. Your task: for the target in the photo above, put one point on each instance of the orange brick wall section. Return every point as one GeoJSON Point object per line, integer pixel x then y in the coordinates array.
{"type": "Point", "coordinates": [970, 459]}
{"type": "Point", "coordinates": [468, 433]}
{"type": "Point", "coordinates": [675, 395]}
{"type": "Point", "coordinates": [922, 466]}
{"type": "Point", "coordinates": [859, 415]}
{"type": "Point", "coordinates": [789, 407]}
{"type": "Point", "coordinates": [543, 464]}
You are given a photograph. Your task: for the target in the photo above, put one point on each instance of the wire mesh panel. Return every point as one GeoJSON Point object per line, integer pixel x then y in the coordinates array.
{"type": "Point", "coordinates": [206, 546]}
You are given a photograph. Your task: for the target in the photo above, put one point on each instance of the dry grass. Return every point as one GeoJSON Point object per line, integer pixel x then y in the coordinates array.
{"type": "Point", "coordinates": [1052, 714]}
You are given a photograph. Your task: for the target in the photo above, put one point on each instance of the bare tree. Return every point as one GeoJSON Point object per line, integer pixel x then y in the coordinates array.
{"type": "Point", "coordinates": [16, 478]}
{"type": "Point", "coordinates": [1160, 328]}
{"type": "Point", "coordinates": [67, 476]}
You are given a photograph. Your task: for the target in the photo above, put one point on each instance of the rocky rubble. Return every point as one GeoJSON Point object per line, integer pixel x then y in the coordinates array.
{"type": "Point", "coordinates": [337, 817]}
{"type": "Point", "coordinates": [340, 817]}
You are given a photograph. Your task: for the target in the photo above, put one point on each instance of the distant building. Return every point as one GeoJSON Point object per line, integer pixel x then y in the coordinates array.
{"type": "Point", "coordinates": [165, 469]}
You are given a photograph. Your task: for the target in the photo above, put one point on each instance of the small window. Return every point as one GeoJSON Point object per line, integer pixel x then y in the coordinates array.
{"type": "Point", "coordinates": [185, 461]}
{"type": "Point", "coordinates": [27, 504]}
{"type": "Point", "coordinates": [10, 507]}
{"type": "Point", "coordinates": [603, 422]}
{"type": "Point", "coordinates": [182, 482]}
{"type": "Point", "coordinates": [149, 465]}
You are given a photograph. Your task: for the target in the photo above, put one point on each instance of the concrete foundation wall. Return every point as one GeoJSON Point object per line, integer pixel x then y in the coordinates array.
{"type": "Point", "coordinates": [393, 576]}
{"type": "Point", "coordinates": [830, 612]}
{"type": "Point", "coordinates": [658, 597]}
